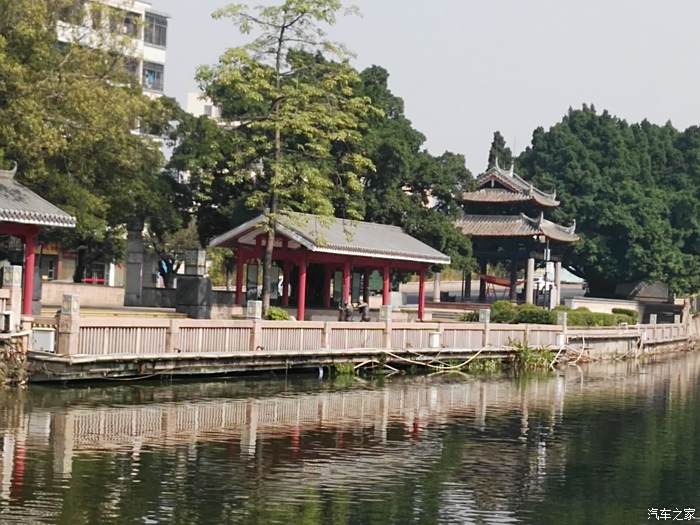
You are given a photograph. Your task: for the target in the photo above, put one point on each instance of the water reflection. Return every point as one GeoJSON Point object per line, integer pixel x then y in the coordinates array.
{"type": "Point", "coordinates": [594, 445]}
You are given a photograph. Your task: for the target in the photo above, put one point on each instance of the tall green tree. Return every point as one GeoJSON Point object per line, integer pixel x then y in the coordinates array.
{"type": "Point", "coordinates": [286, 112]}
{"type": "Point", "coordinates": [68, 109]}
{"type": "Point", "coordinates": [410, 187]}
{"type": "Point", "coordinates": [499, 152]}
{"type": "Point", "coordinates": [633, 191]}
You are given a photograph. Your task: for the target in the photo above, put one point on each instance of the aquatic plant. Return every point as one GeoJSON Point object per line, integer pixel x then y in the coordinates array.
{"type": "Point", "coordinates": [528, 358]}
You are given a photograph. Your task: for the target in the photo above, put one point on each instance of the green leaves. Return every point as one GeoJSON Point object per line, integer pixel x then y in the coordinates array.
{"type": "Point", "coordinates": [633, 191]}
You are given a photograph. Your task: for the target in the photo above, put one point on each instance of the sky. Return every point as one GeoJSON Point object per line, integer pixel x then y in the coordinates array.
{"type": "Point", "coordinates": [466, 68]}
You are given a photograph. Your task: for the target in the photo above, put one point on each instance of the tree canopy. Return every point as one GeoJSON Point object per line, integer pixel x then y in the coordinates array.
{"type": "Point", "coordinates": [71, 146]}
{"type": "Point", "coordinates": [633, 191]}
{"type": "Point", "coordinates": [500, 152]}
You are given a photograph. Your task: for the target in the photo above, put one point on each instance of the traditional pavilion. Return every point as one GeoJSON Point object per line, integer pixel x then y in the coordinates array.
{"type": "Point", "coordinates": [313, 250]}
{"type": "Point", "coordinates": [505, 219]}
{"type": "Point", "coordinates": [22, 214]}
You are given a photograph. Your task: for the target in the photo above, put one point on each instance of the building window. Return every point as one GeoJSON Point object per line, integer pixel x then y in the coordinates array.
{"type": "Point", "coordinates": [208, 110]}
{"type": "Point", "coordinates": [124, 23]}
{"type": "Point", "coordinates": [153, 76]}
{"type": "Point", "coordinates": [156, 30]}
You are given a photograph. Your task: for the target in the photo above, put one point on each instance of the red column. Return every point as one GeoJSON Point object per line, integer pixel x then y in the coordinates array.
{"type": "Point", "coordinates": [421, 295]}
{"type": "Point", "coordinates": [346, 283]}
{"type": "Point", "coordinates": [285, 283]}
{"type": "Point", "coordinates": [301, 300]}
{"type": "Point", "coordinates": [240, 269]}
{"type": "Point", "coordinates": [386, 289]}
{"type": "Point", "coordinates": [28, 285]}
{"type": "Point", "coordinates": [327, 286]}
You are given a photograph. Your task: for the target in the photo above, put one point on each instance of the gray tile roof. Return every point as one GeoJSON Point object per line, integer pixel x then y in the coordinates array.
{"type": "Point", "coordinates": [513, 183]}
{"type": "Point", "coordinates": [21, 205]}
{"type": "Point", "coordinates": [342, 236]}
{"type": "Point", "coordinates": [515, 226]}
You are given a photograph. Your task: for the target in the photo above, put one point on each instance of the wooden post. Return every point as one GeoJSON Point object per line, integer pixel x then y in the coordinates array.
{"type": "Point", "coordinates": [286, 271]}
{"type": "Point", "coordinates": [530, 280]}
{"type": "Point", "coordinates": [240, 269]}
{"type": "Point", "coordinates": [327, 286]}
{"type": "Point", "coordinates": [28, 287]}
{"type": "Point", "coordinates": [467, 286]}
{"type": "Point", "coordinates": [386, 286]}
{"type": "Point", "coordinates": [345, 299]}
{"type": "Point", "coordinates": [421, 294]}
{"type": "Point", "coordinates": [301, 298]}
{"type": "Point", "coordinates": [69, 325]}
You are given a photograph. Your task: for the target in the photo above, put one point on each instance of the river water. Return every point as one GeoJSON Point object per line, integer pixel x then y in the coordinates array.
{"type": "Point", "coordinates": [597, 444]}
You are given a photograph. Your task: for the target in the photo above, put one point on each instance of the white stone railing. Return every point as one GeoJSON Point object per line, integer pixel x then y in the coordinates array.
{"type": "Point", "coordinates": [142, 336]}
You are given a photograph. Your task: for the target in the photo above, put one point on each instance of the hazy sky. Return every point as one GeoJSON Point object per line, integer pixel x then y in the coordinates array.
{"type": "Point", "coordinates": [466, 68]}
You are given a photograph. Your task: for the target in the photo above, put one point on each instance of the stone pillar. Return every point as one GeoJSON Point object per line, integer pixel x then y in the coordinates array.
{"type": "Point", "coordinates": [327, 275]}
{"type": "Point", "coordinates": [345, 297]}
{"type": "Point", "coordinates": [557, 283]}
{"type": "Point", "coordinates": [529, 280]}
{"type": "Point", "coordinates": [193, 296]}
{"type": "Point", "coordinates": [436, 287]}
{"type": "Point", "coordinates": [196, 262]}
{"type": "Point", "coordinates": [513, 292]}
{"type": "Point", "coordinates": [240, 270]}
{"type": "Point", "coordinates": [483, 268]}
{"type": "Point", "coordinates": [134, 265]}
{"type": "Point", "coordinates": [69, 325]}
{"type": "Point", "coordinates": [365, 285]}
{"type": "Point", "coordinates": [12, 280]}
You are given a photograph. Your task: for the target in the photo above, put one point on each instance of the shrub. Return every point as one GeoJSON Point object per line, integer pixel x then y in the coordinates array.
{"type": "Point", "coordinates": [531, 314]}
{"type": "Point", "coordinates": [469, 317]}
{"type": "Point", "coordinates": [277, 314]}
{"type": "Point", "coordinates": [503, 312]}
{"type": "Point", "coordinates": [626, 313]}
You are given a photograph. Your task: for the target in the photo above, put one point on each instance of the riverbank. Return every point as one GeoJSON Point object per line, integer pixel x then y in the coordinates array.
{"type": "Point", "coordinates": [92, 348]}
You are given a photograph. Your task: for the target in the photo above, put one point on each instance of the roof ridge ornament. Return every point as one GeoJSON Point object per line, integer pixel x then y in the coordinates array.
{"type": "Point", "coordinates": [9, 174]}
{"type": "Point", "coordinates": [498, 168]}
{"type": "Point", "coordinates": [512, 168]}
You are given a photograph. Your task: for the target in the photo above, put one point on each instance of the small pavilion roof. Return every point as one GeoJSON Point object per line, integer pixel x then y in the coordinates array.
{"type": "Point", "coordinates": [515, 226]}
{"type": "Point", "coordinates": [511, 188]}
{"type": "Point", "coordinates": [338, 236]}
{"type": "Point", "coordinates": [19, 204]}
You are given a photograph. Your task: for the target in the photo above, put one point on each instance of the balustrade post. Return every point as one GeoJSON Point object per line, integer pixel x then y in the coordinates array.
{"type": "Point", "coordinates": [326, 342]}
{"type": "Point", "coordinates": [69, 325]}
{"type": "Point", "coordinates": [256, 336]}
{"type": "Point", "coordinates": [172, 337]}
{"type": "Point", "coordinates": [387, 333]}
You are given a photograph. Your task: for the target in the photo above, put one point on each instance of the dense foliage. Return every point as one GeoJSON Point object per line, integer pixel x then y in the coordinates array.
{"type": "Point", "coordinates": [67, 115]}
{"type": "Point", "coordinates": [634, 193]}
{"type": "Point", "coordinates": [506, 312]}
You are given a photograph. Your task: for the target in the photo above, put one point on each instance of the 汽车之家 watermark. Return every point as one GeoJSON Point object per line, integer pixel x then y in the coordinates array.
{"type": "Point", "coordinates": [675, 514]}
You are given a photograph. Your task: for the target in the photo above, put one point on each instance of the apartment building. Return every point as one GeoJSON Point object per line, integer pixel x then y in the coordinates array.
{"type": "Point", "coordinates": [143, 36]}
